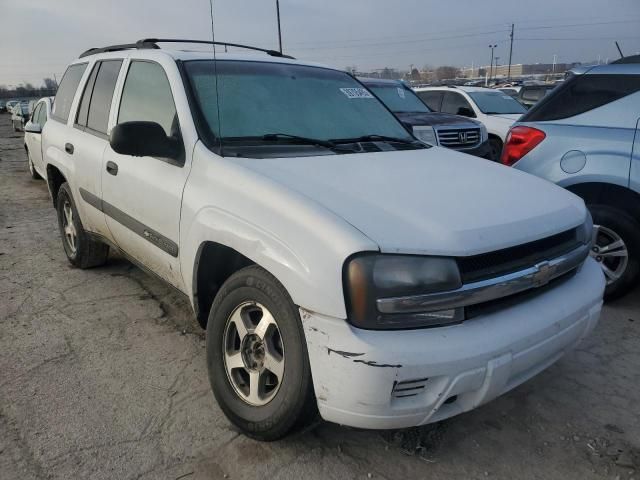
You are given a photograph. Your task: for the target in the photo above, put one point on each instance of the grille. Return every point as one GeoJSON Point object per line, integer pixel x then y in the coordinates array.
{"type": "Point", "coordinates": [458, 138]}
{"type": "Point", "coordinates": [509, 260]}
{"type": "Point", "coordinates": [409, 388]}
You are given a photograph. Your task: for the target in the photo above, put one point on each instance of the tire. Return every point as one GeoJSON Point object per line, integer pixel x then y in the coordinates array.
{"type": "Point", "coordinates": [611, 224]}
{"type": "Point", "coordinates": [32, 171]}
{"type": "Point", "coordinates": [82, 252]}
{"type": "Point", "coordinates": [495, 148]}
{"type": "Point", "coordinates": [290, 404]}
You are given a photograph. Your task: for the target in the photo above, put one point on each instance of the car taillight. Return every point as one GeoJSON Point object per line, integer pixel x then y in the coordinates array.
{"type": "Point", "coordinates": [520, 141]}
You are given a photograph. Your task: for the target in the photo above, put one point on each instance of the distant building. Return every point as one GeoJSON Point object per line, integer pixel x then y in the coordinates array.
{"type": "Point", "coordinates": [517, 70]}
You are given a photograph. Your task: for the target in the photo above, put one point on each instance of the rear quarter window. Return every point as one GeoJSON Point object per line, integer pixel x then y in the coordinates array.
{"type": "Point", "coordinates": [581, 94]}
{"type": "Point", "coordinates": [67, 91]}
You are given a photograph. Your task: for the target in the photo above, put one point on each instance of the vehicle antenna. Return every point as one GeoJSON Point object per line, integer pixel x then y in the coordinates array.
{"type": "Point", "coordinates": [619, 50]}
{"type": "Point", "coordinates": [215, 75]}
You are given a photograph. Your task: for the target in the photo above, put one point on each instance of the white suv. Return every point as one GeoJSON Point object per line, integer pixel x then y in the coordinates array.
{"type": "Point", "coordinates": [337, 263]}
{"type": "Point", "coordinates": [495, 109]}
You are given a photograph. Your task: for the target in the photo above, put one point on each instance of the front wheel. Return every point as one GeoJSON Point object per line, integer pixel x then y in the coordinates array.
{"type": "Point", "coordinates": [257, 356]}
{"type": "Point", "coordinates": [495, 149]}
{"type": "Point", "coordinates": [616, 248]}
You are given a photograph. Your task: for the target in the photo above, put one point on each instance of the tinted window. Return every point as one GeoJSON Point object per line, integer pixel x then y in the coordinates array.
{"type": "Point", "coordinates": [102, 94]}
{"type": "Point", "coordinates": [66, 91]}
{"type": "Point", "coordinates": [496, 102]}
{"type": "Point", "coordinates": [35, 116]}
{"type": "Point", "coordinates": [147, 97]}
{"type": "Point", "coordinates": [42, 117]}
{"type": "Point", "coordinates": [456, 104]}
{"type": "Point", "coordinates": [398, 98]}
{"type": "Point", "coordinates": [582, 93]}
{"type": "Point", "coordinates": [83, 110]}
{"type": "Point", "coordinates": [432, 99]}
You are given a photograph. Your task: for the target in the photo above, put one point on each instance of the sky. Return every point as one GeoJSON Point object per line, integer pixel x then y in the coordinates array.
{"type": "Point", "coordinates": [38, 38]}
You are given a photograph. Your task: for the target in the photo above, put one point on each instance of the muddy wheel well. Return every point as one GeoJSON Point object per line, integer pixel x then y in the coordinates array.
{"type": "Point", "coordinates": [214, 264]}
{"type": "Point", "coordinates": [608, 194]}
{"type": "Point", "coordinates": [54, 180]}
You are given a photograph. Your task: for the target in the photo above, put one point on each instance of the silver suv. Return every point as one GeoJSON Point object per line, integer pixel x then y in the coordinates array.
{"type": "Point", "coordinates": [585, 137]}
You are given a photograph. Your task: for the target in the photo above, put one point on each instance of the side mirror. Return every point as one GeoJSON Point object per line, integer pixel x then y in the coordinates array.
{"type": "Point", "coordinates": [143, 139]}
{"type": "Point", "coordinates": [466, 112]}
{"type": "Point", "coordinates": [31, 127]}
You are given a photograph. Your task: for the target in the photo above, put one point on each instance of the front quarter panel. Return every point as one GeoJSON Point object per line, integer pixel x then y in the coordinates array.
{"type": "Point", "coordinates": [299, 242]}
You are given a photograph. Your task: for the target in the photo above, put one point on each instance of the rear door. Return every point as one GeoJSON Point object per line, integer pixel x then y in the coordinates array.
{"type": "Point", "coordinates": [90, 140]}
{"type": "Point", "coordinates": [142, 196]}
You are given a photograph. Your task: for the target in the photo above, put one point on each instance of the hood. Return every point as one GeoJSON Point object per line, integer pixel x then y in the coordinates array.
{"type": "Point", "coordinates": [434, 118]}
{"type": "Point", "coordinates": [512, 117]}
{"type": "Point", "coordinates": [434, 201]}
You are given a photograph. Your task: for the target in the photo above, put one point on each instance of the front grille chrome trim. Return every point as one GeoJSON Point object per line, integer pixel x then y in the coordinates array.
{"type": "Point", "coordinates": [489, 289]}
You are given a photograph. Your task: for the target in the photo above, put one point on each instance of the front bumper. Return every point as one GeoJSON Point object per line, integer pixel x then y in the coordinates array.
{"type": "Point", "coordinates": [397, 379]}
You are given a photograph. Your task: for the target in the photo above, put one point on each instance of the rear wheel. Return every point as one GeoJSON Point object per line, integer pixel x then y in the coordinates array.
{"type": "Point", "coordinates": [257, 356]}
{"type": "Point", "coordinates": [82, 251]}
{"type": "Point", "coordinates": [616, 248]}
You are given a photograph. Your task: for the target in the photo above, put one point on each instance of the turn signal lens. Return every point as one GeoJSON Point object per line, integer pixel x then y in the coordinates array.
{"type": "Point", "coordinates": [520, 141]}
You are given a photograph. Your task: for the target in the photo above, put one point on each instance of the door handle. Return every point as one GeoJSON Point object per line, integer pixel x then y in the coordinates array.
{"type": "Point", "coordinates": [112, 168]}
{"type": "Point", "coordinates": [68, 147]}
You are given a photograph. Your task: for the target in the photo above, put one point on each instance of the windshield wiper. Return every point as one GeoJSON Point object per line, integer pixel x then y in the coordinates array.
{"type": "Point", "coordinates": [376, 138]}
{"type": "Point", "coordinates": [274, 137]}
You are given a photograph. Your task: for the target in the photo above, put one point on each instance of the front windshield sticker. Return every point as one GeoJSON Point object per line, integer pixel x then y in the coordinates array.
{"type": "Point", "coordinates": [401, 92]}
{"type": "Point", "coordinates": [356, 92]}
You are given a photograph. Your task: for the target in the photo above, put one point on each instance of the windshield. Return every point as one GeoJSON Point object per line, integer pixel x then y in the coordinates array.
{"type": "Point", "coordinates": [398, 98]}
{"type": "Point", "coordinates": [259, 99]}
{"type": "Point", "coordinates": [496, 103]}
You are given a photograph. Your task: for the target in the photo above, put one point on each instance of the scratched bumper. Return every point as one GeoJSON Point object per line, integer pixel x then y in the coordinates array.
{"type": "Point", "coordinates": [396, 379]}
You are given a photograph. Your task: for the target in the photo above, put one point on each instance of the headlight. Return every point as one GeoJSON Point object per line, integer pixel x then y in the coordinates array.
{"type": "Point", "coordinates": [484, 135]}
{"type": "Point", "coordinates": [585, 231]}
{"type": "Point", "coordinates": [371, 277]}
{"type": "Point", "coordinates": [425, 134]}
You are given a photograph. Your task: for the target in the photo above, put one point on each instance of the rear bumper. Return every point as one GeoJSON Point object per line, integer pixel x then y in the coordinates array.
{"type": "Point", "coordinates": [397, 379]}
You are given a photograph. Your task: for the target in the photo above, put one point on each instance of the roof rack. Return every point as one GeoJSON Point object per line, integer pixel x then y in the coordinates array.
{"type": "Point", "coordinates": [152, 43]}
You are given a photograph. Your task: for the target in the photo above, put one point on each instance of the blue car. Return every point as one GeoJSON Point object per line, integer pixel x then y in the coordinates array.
{"type": "Point", "coordinates": [585, 136]}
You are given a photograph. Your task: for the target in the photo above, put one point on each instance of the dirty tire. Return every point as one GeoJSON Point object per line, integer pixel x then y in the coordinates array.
{"type": "Point", "coordinates": [293, 406]}
{"type": "Point", "coordinates": [88, 252]}
{"type": "Point", "coordinates": [32, 170]}
{"type": "Point", "coordinates": [495, 149]}
{"type": "Point", "coordinates": [628, 229]}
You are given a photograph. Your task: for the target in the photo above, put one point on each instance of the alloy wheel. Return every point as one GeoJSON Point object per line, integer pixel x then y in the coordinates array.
{"type": "Point", "coordinates": [253, 353]}
{"type": "Point", "coordinates": [69, 228]}
{"type": "Point", "coordinates": [610, 251]}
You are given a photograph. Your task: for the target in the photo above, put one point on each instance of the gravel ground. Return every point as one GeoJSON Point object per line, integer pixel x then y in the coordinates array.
{"type": "Point", "coordinates": [103, 376]}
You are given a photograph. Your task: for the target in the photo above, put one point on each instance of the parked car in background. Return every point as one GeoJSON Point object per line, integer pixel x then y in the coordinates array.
{"type": "Point", "coordinates": [33, 137]}
{"type": "Point", "coordinates": [495, 109]}
{"type": "Point", "coordinates": [529, 95]}
{"type": "Point", "coordinates": [440, 129]}
{"type": "Point", "coordinates": [338, 264]}
{"type": "Point", "coordinates": [3, 106]}
{"type": "Point", "coordinates": [585, 137]}
{"type": "Point", "coordinates": [10, 104]}
{"type": "Point", "coordinates": [19, 116]}
{"type": "Point", "coordinates": [511, 91]}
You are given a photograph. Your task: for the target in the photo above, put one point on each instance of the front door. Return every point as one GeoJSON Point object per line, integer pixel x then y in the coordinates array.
{"type": "Point", "coordinates": [634, 178]}
{"type": "Point", "coordinates": [142, 196]}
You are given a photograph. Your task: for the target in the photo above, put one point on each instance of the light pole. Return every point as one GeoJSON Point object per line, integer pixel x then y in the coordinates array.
{"type": "Point", "coordinates": [491, 63]}
{"type": "Point", "coordinates": [496, 70]}
{"type": "Point", "coordinates": [279, 31]}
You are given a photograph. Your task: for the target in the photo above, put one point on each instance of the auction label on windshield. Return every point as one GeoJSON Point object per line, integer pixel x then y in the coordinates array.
{"type": "Point", "coordinates": [356, 92]}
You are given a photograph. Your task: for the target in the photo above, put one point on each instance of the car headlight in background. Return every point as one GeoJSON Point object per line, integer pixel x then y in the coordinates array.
{"type": "Point", "coordinates": [371, 277]}
{"type": "Point", "coordinates": [425, 134]}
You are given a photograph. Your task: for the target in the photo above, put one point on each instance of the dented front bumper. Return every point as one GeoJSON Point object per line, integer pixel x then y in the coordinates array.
{"type": "Point", "coordinates": [396, 379]}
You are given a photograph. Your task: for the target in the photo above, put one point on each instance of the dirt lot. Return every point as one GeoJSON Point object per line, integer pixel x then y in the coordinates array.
{"type": "Point", "coordinates": [102, 375]}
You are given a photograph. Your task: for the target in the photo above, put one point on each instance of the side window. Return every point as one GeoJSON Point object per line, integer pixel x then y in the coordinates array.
{"type": "Point", "coordinates": [42, 115]}
{"type": "Point", "coordinates": [455, 104]}
{"type": "Point", "coordinates": [66, 91]}
{"type": "Point", "coordinates": [582, 93]}
{"type": "Point", "coordinates": [35, 116]}
{"type": "Point", "coordinates": [146, 96]}
{"type": "Point", "coordinates": [432, 99]}
{"type": "Point", "coordinates": [98, 93]}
